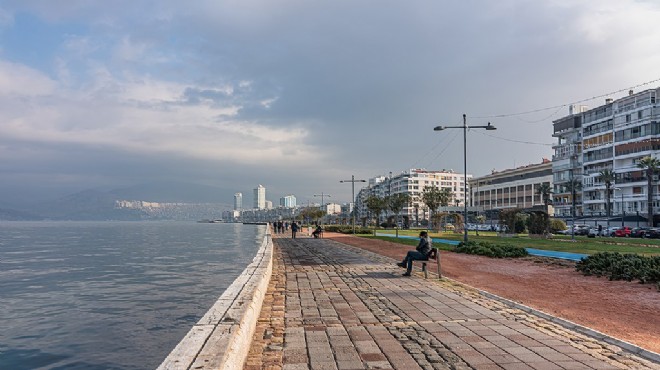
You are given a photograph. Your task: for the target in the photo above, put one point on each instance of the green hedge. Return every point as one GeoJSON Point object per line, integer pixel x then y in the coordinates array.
{"type": "Point", "coordinates": [347, 229]}
{"type": "Point", "coordinates": [619, 266]}
{"type": "Point", "coordinates": [491, 249]}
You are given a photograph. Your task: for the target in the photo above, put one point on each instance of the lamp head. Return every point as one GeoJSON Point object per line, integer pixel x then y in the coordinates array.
{"type": "Point", "coordinates": [490, 127]}
{"type": "Point", "coordinates": [438, 128]}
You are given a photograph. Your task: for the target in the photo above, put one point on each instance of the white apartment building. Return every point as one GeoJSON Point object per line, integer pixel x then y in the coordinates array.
{"type": "Point", "coordinates": [288, 201]}
{"type": "Point", "coordinates": [413, 182]}
{"type": "Point", "coordinates": [332, 208]}
{"type": "Point", "coordinates": [567, 162]}
{"type": "Point", "coordinates": [511, 188]}
{"type": "Point", "coordinates": [615, 136]}
{"type": "Point", "coordinates": [259, 196]}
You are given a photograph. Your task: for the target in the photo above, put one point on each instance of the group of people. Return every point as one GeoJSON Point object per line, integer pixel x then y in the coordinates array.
{"type": "Point", "coordinates": [280, 227]}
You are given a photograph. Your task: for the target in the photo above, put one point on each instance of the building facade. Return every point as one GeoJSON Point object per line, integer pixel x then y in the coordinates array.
{"type": "Point", "coordinates": [511, 188]}
{"type": "Point", "coordinates": [288, 201]}
{"type": "Point", "coordinates": [238, 201]}
{"type": "Point", "coordinates": [615, 137]}
{"type": "Point", "coordinates": [259, 196]}
{"type": "Point", "coordinates": [412, 182]}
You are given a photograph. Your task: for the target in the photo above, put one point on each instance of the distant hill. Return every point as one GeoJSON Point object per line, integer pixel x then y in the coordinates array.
{"type": "Point", "coordinates": [173, 192]}
{"type": "Point", "coordinates": [14, 215]}
{"type": "Point", "coordinates": [99, 204]}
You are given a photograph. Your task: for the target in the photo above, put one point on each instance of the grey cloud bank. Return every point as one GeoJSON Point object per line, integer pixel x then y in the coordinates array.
{"type": "Point", "coordinates": [296, 95]}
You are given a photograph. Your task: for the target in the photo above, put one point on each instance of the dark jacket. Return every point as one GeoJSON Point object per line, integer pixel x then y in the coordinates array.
{"type": "Point", "coordinates": [423, 247]}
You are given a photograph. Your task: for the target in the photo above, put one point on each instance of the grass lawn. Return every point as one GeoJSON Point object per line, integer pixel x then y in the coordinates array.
{"type": "Point", "coordinates": [561, 243]}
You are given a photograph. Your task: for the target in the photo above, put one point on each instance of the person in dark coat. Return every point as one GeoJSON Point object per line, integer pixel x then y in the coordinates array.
{"type": "Point", "coordinates": [294, 229]}
{"type": "Point", "coordinates": [419, 254]}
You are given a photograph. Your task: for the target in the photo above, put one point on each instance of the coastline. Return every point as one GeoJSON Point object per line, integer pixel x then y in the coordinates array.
{"type": "Point", "coordinates": [221, 338]}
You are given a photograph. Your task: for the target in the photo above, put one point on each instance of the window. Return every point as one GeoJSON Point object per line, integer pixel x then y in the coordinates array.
{"type": "Point", "coordinates": [639, 115]}
{"type": "Point", "coordinates": [627, 117]}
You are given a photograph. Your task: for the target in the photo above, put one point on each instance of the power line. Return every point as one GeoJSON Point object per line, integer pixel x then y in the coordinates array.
{"type": "Point", "coordinates": [568, 104]}
{"type": "Point", "coordinates": [515, 141]}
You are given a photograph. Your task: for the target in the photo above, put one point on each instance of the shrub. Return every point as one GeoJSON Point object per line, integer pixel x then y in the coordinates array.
{"type": "Point", "coordinates": [617, 266]}
{"type": "Point", "coordinates": [557, 225]}
{"type": "Point", "coordinates": [491, 249]}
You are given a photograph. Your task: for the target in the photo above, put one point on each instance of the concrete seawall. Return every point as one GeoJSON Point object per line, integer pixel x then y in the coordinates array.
{"type": "Point", "coordinates": [221, 339]}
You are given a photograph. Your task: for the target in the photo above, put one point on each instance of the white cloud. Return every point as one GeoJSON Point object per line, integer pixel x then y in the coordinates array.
{"type": "Point", "coordinates": [20, 80]}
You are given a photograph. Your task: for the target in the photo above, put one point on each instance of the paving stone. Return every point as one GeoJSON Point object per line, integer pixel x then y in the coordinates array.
{"type": "Point", "coordinates": [332, 306]}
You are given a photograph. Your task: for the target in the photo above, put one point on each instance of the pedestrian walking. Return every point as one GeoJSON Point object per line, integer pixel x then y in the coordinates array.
{"type": "Point", "coordinates": [294, 229]}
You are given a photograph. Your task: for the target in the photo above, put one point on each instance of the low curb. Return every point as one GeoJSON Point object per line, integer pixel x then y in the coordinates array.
{"type": "Point", "coordinates": [221, 339]}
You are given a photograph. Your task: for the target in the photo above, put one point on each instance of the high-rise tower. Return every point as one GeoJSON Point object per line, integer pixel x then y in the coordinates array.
{"type": "Point", "coordinates": [260, 197]}
{"type": "Point", "coordinates": [238, 201]}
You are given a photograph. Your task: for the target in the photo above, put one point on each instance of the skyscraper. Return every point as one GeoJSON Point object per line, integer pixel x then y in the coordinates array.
{"type": "Point", "coordinates": [260, 197]}
{"type": "Point", "coordinates": [238, 201]}
{"type": "Point", "coordinates": [288, 201]}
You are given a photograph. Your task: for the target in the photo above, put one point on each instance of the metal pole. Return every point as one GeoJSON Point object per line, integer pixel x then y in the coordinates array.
{"type": "Point", "coordinates": [465, 230]}
{"type": "Point", "coordinates": [353, 199]}
{"type": "Point", "coordinates": [623, 212]}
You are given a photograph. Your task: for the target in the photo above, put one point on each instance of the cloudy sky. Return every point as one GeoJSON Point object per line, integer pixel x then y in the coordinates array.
{"type": "Point", "coordinates": [297, 95]}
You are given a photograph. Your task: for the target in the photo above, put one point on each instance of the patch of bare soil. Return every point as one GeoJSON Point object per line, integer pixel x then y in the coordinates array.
{"type": "Point", "coordinates": [624, 310]}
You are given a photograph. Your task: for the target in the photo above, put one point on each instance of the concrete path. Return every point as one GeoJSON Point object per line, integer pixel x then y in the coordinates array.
{"type": "Point", "coordinates": [332, 306]}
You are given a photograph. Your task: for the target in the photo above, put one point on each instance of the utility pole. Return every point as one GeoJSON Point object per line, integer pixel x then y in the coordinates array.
{"type": "Point", "coordinates": [322, 195]}
{"type": "Point", "coordinates": [353, 181]}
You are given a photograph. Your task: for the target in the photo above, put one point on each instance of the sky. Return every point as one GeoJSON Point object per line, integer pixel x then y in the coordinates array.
{"type": "Point", "coordinates": [298, 95]}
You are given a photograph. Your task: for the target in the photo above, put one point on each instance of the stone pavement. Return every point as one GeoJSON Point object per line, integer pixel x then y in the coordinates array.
{"type": "Point", "coordinates": [333, 306]}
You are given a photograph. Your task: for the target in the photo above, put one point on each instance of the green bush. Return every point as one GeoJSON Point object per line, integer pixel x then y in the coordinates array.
{"type": "Point", "coordinates": [347, 229]}
{"type": "Point", "coordinates": [557, 225]}
{"type": "Point", "coordinates": [491, 249]}
{"type": "Point", "coordinates": [617, 266]}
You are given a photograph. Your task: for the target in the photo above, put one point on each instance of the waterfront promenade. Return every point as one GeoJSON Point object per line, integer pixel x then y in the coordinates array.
{"type": "Point", "coordinates": [333, 306]}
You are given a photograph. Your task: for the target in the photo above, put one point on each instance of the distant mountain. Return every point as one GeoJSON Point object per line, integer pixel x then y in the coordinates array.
{"type": "Point", "coordinates": [14, 215]}
{"type": "Point", "coordinates": [173, 192]}
{"type": "Point", "coordinates": [88, 205]}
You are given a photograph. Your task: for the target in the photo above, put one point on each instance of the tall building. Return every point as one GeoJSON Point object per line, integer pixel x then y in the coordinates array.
{"type": "Point", "coordinates": [238, 201]}
{"type": "Point", "coordinates": [512, 188]}
{"type": "Point", "coordinates": [288, 201]}
{"type": "Point", "coordinates": [413, 182]}
{"type": "Point", "coordinates": [567, 162]}
{"type": "Point", "coordinates": [612, 137]}
{"type": "Point", "coordinates": [259, 197]}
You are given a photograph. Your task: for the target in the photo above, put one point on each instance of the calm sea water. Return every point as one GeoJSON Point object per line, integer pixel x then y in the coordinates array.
{"type": "Point", "coordinates": [111, 295]}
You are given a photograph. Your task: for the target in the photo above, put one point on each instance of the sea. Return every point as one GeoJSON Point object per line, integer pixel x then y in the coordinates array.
{"type": "Point", "coordinates": [111, 295]}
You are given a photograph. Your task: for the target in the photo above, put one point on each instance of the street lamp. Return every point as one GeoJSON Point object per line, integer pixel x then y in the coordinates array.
{"type": "Point", "coordinates": [465, 127]}
{"type": "Point", "coordinates": [353, 181]}
{"type": "Point", "coordinates": [322, 195]}
{"type": "Point", "coordinates": [623, 213]}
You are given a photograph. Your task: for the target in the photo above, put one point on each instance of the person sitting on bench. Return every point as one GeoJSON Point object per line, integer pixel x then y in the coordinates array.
{"type": "Point", "coordinates": [318, 231]}
{"type": "Point", "coordinates": [420, 254]}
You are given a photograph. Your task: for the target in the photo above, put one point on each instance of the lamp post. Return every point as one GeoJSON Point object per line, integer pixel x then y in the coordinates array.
{"type": "Point", "coordinates": [353, 181]}
{"type": "Point", "coordinates": [623, 213]}
{"type": "Point", "coordinates": [323, 195]}
{"type": "Point", "coordinates": [465, 127]}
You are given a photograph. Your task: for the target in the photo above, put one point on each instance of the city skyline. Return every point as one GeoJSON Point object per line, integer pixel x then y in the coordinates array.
{"type": "Point", "coordinates": [111, 95]}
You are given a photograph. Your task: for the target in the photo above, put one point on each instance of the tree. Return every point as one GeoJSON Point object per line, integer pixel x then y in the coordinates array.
{"type": "Point", "coordinates": [376, 205]}
{"type": "Point", "coordinates": [446, 196]}
{"type": "Point", "coordinates": [607, 177]}
{"type": "Point", "coordinates": [544, 190]}
{"type": "Point", "coordinates": [573, 186]}
{"type": "Point", "coordinates": [396, 202]}
{"type": "Point", "coordinates": [651, 166]}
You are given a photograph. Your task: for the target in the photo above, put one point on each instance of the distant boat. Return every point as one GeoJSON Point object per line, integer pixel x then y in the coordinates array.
{"type": "Point", "coordinates": [207, 221]}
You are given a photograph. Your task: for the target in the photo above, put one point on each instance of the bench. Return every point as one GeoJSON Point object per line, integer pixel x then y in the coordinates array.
{"type": "Point", "coordinates": [434, 254]}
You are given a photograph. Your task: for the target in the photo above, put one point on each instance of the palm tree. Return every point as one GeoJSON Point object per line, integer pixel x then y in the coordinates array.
{"type": "Point", "coordinates": [544, 190]}
{"type": "Point", "coordinates": [396, 202]}
{"type": "Point", "coordinates": [607, 176]}
{"type": "Point", "coordinates": [573, 186]}
{"type": "Point", "coordinates": [376, 205]}
{"type": "Point", "coordinates": [431, 197]}
{"type": "Point", "coordinates": [650, 166]}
